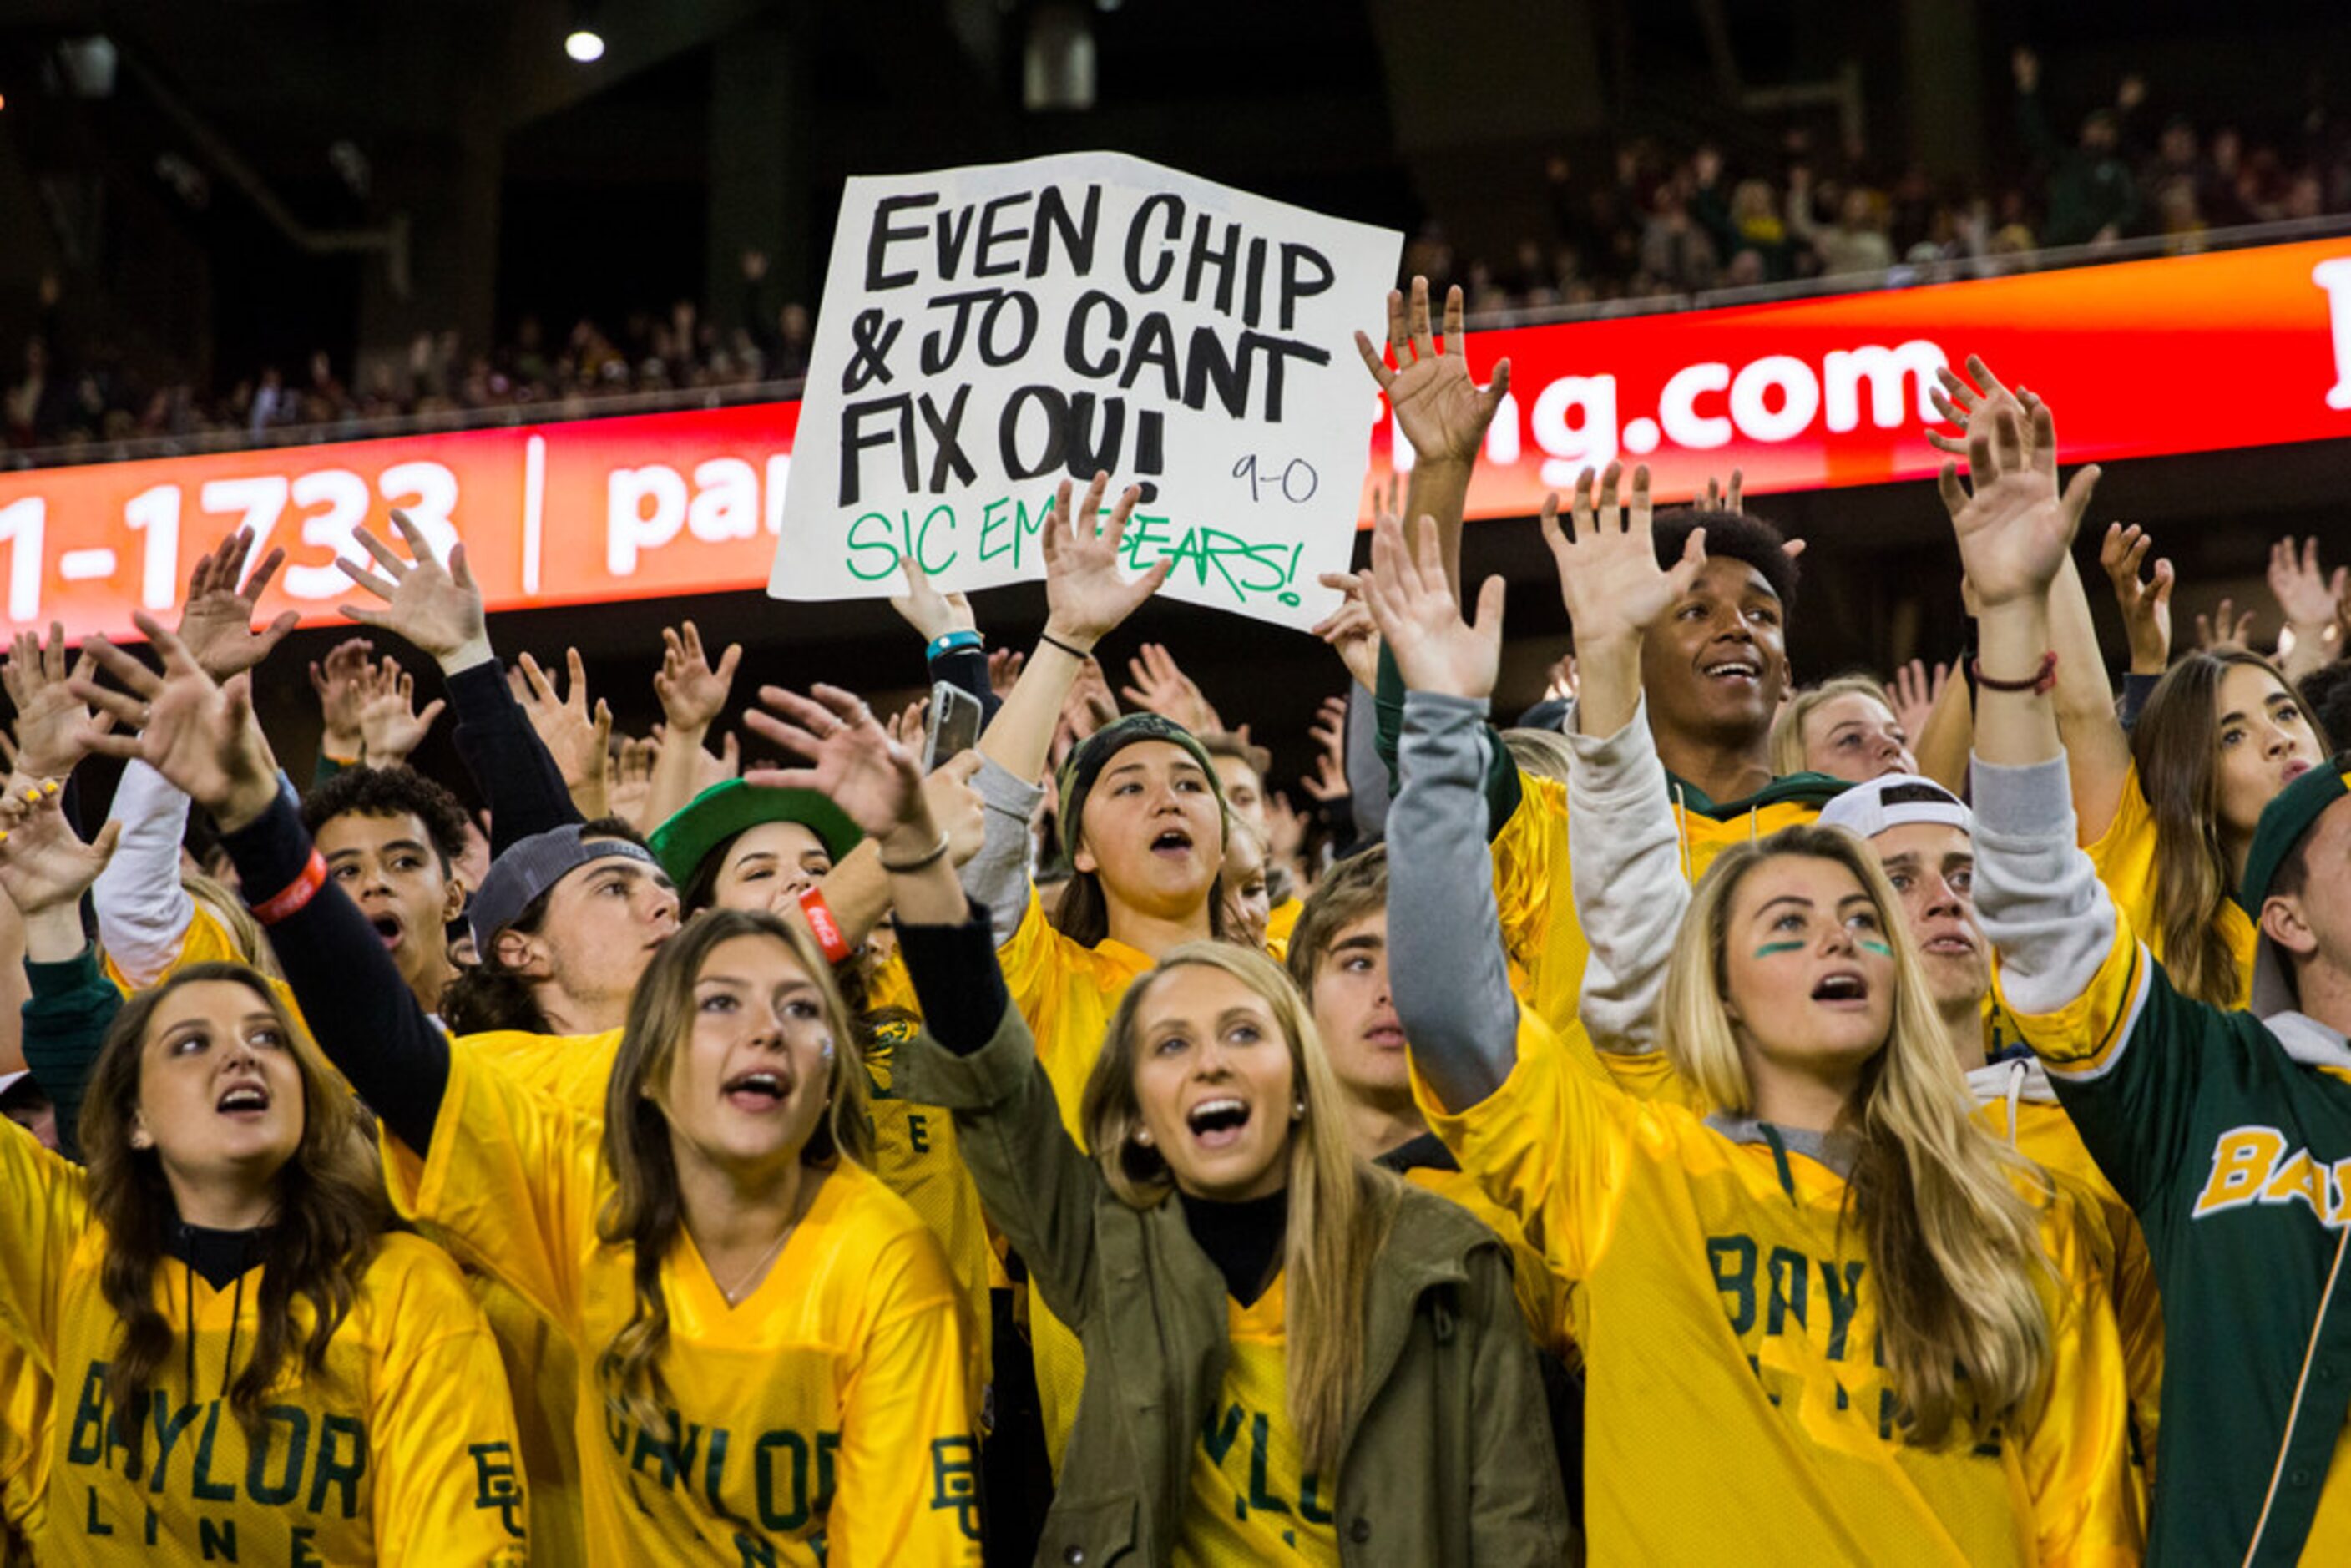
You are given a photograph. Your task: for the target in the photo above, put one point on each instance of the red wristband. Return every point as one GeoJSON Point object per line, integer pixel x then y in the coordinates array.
{"type": "Point", "coordinates": [2043, 681]}
{"type": "Point", "coordinates": [826, 929]}
{"type": "Point", "coordinates": [296, 893]}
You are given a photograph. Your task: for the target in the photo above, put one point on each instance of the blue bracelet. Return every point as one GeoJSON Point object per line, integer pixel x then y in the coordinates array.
{"type": "Point", "coordinates": [949, 642]}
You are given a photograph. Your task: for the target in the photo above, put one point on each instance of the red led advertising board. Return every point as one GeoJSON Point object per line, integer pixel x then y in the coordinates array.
{"type": "Point", "coordinates": [2239, 349]}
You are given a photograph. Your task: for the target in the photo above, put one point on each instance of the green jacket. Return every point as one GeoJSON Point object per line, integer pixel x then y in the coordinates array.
{"type": "Point", "coordinates": [1447, 1459]}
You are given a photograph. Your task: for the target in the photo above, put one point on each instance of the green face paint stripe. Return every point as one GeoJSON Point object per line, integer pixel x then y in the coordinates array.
{"type": "Point", "coordinates": [1880, 948]}
{"type": "Point", "coordinates": [1768, 948]}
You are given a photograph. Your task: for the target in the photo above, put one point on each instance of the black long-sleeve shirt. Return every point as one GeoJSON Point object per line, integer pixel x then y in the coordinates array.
{"type": "Point", "coordinates": [510, 763]}
{"type": "Point", "coordinates": [359, 1010]}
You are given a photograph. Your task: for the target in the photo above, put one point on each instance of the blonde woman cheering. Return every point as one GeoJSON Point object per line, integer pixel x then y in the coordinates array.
{"type": "Point", "coordinates": [1293, 1357]}
{"type": "Point", "coordinates": [1829, 1298]}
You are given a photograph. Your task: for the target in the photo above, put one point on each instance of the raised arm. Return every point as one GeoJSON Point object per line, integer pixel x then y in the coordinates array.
{"type": "Point", "coordinates": [1625, 850]}
{"type": "Point", "coordinates": [953, 649]}
{"type": "Point", "coordinates": [976, 1057]}
{"type": "Point", "coordinates": [43, 871]}
{"type": "Point", "coordinates": [200, 735]}
{"type": "Point", "coordinates": [392, 725]}
{"type": "Point", "coordinates": [2306, 597]}
{"type": "Point", "coordinates": [2049, 916]}
{"type": "Point", "coordinates": [1087, 597]}
{"type": "Point", "coordinates": [437, 606]}
{"type": "Point", "coordinates": [143, 911]}
{"type": "Point", "coordinates": [1452, 984]}
{"type": "Point", "coordinates": [2098, 748]}
{"type": "Point", "coordinates": [1441, 410]}
{"type": "Point", "coordinates": [693, 694]}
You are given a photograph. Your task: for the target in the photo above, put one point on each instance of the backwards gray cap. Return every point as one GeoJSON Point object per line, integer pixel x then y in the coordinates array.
{"type": "Point", "coordinates": [532, 865]}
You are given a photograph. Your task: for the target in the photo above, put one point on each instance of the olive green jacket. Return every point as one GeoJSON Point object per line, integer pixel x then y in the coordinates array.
{"type": "Point", "coordinates": [1447, 1456]}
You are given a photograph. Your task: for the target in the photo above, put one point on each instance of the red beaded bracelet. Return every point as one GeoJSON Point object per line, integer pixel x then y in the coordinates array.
{"type": "Point", "coordinates": [2043, 681]}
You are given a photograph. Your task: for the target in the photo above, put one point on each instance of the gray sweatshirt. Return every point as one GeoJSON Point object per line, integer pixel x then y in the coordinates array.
{"type": "Point", "coordinates": [1451, 984]}
{"type": "Point", "coordinates": [996, 878]}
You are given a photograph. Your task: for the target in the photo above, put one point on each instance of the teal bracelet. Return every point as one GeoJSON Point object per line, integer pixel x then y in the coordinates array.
{"type": "Point", "coordinates": [949, 642]}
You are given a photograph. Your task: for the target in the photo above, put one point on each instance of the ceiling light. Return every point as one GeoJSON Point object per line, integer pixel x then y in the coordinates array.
{"type": "Point", "coordinates": [585, 46]}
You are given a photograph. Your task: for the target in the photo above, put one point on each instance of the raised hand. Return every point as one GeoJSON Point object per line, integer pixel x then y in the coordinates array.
{"type": "Point", "coordinates": [853, 761]}
{"type": "Point", "coordinates": [2304, 593]}
{"type": "Point", "coordinates": [2146, 603]}
{"type": "Point", "coordinates": [1559, 681]}
{"type": "Point", "coordinates": [1350, 629]}
{"type": "Point", "coordinates": [1418, 615]}
{"type": "Point", "coordinates": [1913, 693]}
{"type": "Point", "coordinates": [1004, 667]}
{"type": "Point", "coordinates": [197, 732]}
{"type": "Point", "coordinates": [905, 729]}
{"type": "Point", "coordinates": [1160, 685]}
{"type": "Point", "coordinates": [216, 622]}
{"type": "Point", "coordinates": [727, 764]}
{"type": "Point", "coordinates": [391, 727]}
{"type": "Point", "coordinates": [1090, 705]}
{"type": "Point", "coordinates": [632, 780]}
{"type": "Point", "coordinates": [2016, 528]}
{"type": "Point", "coordinates": [956, 808]}
{"type": "Point", "coordinates": [2224, 630]}
{"type": "Point", "coordinates": [1441, 410]}
{"type": "Point", "coordinates": [1328, 783]}
{"type": "Point", "coordinates": [52, 723]}
{"type": "Point", "coordinates": [931, 613]}
{"type": "Point", "coordinates": [692, 693]}
{"type": "Point", "coordinates": [434, 605]}
{"type": "Point", "coordinates": [1721, 497]}
{"type": "Point", "coordinates": [1086, 596]}
{"type": "Point", "coordinates": [344, 681]}
{"type": "Point", "coordinates": [1609, 577]}
{"type": "Point", "coordinates": [578, 740]}
{"type": "Point", "coordinates": [1973, 404]}
{"type": "Point", "coordinates": [43, 865]}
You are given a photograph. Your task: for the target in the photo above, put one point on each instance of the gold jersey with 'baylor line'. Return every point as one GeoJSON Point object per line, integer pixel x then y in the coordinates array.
{"type": "Point", "coordinates": [403, 1452]}
{"type": "Point", "coordinates": [1729, 1323]}
{"type": "Point", "coordinates": [822, 1419]}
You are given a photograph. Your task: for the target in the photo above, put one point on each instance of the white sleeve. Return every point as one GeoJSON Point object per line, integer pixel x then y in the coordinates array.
{"type": "Point", "coordinates": [1624, 857]}
{"type": "Point", "coordinates": [144, 913]}
{"type": "Point", "coordinates": [2038, 896]}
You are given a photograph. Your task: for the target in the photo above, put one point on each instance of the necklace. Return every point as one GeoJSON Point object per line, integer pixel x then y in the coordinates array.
{"type": "Point", "coordinates": [750, 1276]}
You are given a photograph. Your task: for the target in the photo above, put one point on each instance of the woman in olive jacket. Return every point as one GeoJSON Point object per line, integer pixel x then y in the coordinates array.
{"type": "Point", "coordinates": [1288, 1353]}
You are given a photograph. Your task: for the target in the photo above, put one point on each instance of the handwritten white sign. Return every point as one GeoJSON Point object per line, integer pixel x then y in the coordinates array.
{"type": "Point", "coordinates": [989, 331]}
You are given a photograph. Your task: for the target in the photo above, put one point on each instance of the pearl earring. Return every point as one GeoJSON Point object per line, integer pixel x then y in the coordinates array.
{"type": "Point", "coordinates": [1143, 1137]}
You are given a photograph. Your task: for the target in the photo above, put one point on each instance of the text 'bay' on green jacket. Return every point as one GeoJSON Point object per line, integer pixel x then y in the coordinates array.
{"type": "Point", "coordinates": [1447, 1457]}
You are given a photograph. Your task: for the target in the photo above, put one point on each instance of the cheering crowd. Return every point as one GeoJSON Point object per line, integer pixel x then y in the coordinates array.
{"type": "Point", "coordinates": [1718, 1120]}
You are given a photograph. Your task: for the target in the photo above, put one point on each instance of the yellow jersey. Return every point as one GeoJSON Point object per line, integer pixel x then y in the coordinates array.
{"type": "Point", "coordinates": [2045, 1135]}
{"type": "Point", "coordinates": [1281, 920]}
{"type": "Point", "coordinates": [1542, 936]}
{"type": "Point", "coordinates": [1727, 1314]}
{"type": "Point", "coordinates": [1250, 1503]}
{"type": "Point", "coordinates": [822, 1419]}
{"type": "Point", "coordinates": [2124, 857]}
{"type": "Point", "coordinates": [540, 1368]}
{"type": "Point", "coordinates": [402, 1452]}
{"type": "Point", "coordinates": [24, 1451]}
